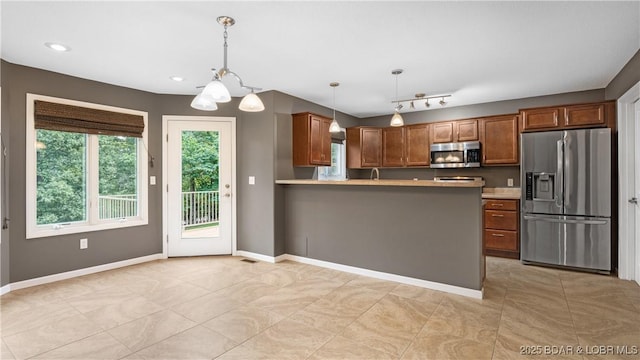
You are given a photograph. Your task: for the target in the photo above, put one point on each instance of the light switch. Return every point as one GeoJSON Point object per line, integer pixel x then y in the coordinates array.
{"type": "Point", "coordinates": [252, 180]}
{"type": "Point", "coordinates": [152, 180]}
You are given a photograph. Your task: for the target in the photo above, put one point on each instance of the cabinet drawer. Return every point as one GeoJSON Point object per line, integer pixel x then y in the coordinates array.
{"type": "Point", "coordinates": [503, 220]}
{"type": "Point", "coordinates": [501, 240]}
{"type": "Point", "coordinates": [501, 205]}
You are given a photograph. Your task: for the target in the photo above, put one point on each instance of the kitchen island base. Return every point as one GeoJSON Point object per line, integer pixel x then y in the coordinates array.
{"type": "Point", "coordinates": [419, 235]}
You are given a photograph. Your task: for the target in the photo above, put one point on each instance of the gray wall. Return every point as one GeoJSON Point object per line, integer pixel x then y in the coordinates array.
{"type": "Point", "coordinates": [429, 233]}
{"type": "Point", "coordinates": [626, 78]}
{"type": "Point", "coordinates": [29, 258]}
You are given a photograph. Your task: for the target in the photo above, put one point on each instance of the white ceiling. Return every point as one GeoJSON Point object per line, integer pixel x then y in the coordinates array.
{"type": "Point", "coordinates": [476, 51]}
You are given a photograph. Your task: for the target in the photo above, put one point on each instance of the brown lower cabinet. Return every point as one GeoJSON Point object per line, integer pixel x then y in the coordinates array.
{"type": "Point", "coordinates": [501, 228]}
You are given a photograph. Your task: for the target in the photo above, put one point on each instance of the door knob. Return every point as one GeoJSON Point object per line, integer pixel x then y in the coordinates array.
{"type": "Point", "coordinates": [633, 200]}
{"type": "Point", "coordinates": [227, 195]}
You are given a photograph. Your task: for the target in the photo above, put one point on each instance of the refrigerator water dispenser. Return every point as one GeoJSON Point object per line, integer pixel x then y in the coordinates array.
{"type": "Point", "coordinates": [540, 186]}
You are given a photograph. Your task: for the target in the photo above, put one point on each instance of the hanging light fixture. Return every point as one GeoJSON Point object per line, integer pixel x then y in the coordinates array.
{"type": "Point", "coordinates": [442, 102]}
{"type": "Point", "coordinates": [216, 92]}
{"type": "Point", "coordinates": [396, 119]}
{"type": "Point", "coordinates": [334, 127]}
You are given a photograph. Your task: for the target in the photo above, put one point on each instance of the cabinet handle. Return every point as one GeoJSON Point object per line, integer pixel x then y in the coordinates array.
{"type": "Point", "coordinates": [497, 215]}
{"type": "Point", "coordinates": [498, 235]}
{"type": "Point", "coordinates": [501, 205]}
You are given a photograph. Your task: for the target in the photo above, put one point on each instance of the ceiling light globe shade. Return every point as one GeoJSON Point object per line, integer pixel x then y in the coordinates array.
{"type": "Point", "coordinates": [201, 102]}
{"type": "Point", "coordinates": [251, 103]}
{"type": "Point", "coordinates": [334, 127]}
{"type": "Point", "coordinates": [396, 120]}
{"type": "Point", "coordinates": [217, 91]}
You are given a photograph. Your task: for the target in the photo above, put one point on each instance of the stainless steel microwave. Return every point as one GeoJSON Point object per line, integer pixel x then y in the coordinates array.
{"type": "Point", "coordinates": [455, 155]}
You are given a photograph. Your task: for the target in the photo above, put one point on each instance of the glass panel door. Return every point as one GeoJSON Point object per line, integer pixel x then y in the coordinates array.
{"type": "Point", "coordinates": [199, 191]}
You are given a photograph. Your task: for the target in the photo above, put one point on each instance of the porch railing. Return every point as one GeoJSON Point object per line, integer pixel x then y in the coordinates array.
{"type": "Point", "coordinates": [117, 206]}
{"type": "Point", "coordinates": [200, 207]}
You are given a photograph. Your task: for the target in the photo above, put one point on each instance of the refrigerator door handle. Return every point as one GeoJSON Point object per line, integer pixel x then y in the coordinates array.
{"type": "Point", "coordinates": [559, 190]}
{"type": "Point", "coordinates": [565, 221]}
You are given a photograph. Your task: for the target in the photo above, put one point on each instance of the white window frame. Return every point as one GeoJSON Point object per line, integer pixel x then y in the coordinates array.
{"type": "Point", "coordinates": [92, 223]}
{"type": "Point", "coordinates": [324, 171]}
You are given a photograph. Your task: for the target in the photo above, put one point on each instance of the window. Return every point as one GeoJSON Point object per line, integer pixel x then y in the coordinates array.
{"type": "Point", "coordinates": [79, 180]}
{"type": "Point", "coordinates": [338, 168]}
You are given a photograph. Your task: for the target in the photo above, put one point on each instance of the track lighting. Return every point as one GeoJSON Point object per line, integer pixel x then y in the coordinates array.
{"type": "Point", "coordinates": [420, 97]}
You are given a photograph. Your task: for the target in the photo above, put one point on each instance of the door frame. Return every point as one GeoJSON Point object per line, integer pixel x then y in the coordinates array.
{"type": "Point", "coordinates": [628, 250]}
{"type": "Point", "coordinates": [165, 159]}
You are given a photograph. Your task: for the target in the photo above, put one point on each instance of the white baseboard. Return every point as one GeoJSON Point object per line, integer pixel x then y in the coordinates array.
{"type": "Point", "coordinates": [477, 294]}
{"type": "Point", "coordinates": [5, 289]}
{"type": "Point", "coordinates": [265, 258]}
{"type": "Point", "coordinates": [75, 273]}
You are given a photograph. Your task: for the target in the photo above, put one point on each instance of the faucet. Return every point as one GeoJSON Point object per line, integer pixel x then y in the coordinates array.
{"type": "Point", "coordinates": [377, 172]}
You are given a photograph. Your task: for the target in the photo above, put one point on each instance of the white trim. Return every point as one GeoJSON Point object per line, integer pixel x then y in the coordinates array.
{"type": "Point", "coordinates": [76, 273]}
{"type": "Point", "coordinates": [265, 258]}
{"type": "Point", "coordinates": [626, 133]}
{"type": "Point", "coordinates": [234, 199]}
{"type": "Point", "coordinates": [476, 294]}
{"type": "Point", "coordinates": [92, 223]}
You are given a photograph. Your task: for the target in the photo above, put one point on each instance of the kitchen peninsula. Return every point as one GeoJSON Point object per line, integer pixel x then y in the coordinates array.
{"type": "Point", "coordinates": [422, 232]}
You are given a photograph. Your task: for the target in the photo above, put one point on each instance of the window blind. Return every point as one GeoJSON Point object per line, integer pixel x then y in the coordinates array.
{"type": "Point", "coordinates": [70, 118]}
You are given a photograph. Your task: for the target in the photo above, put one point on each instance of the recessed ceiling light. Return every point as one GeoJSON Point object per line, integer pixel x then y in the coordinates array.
{"type": "Point", "coordinates": [57, 47]}
{"type": "Point", "coordinates": [176, 78]}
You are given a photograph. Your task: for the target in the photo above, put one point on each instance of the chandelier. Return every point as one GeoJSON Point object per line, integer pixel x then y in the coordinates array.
{"type": "Point", "coordinates": [216, 92]}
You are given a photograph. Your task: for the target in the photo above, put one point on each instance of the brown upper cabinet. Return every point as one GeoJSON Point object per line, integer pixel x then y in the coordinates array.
{"type": "Point", "coordinates": [364, 148]}
{"type": "Point", "coordinates": [311, 140]}
{"type": "Point", "coordinates": [570, 116]}
{"type": "Point", "coordinates": [454, 131]}
{"type": "Point", "coordinates": [499, 139]}
{"type": "Point", "coordinates": [416, 145]}
{"type": "Point", "coordinates": [393, 146]}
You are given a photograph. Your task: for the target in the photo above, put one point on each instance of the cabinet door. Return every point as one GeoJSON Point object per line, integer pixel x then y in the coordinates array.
{"type": "Point", "coordinates": [416, 139]}
{"type": "Point", "coordinates": [319, 140]}
{"type": "Point", "coordinates": [370, 145]}
{"type": "Point", "coordinates": [539, 119]}
{"type": "Point", "coordinates": [499, 138]}
{"type": "Point", "coordinates": [393, 146]}
{"type": "Point", "coordinates": [466, 130]}
{"type": "Point", "coordinates": [584, 115]}
{"type": "Point", "coordinates": [442, 132]}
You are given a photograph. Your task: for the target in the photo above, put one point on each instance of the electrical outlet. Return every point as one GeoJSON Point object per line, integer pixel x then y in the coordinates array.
{"type": "Point", "coordinates": [252, 180]}
{"type": "Point", "coordinates": [84, 243]}
{"type": "Point", "coordinates": [152, 180]}
{"type": "Point", "coordinates": [510, 182]}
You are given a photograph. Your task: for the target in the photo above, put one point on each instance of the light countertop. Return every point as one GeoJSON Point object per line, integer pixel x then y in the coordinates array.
{"type": "Point", "coordinates": [501, 193]}
{"type": "Point", "coordinates": [366, 182]}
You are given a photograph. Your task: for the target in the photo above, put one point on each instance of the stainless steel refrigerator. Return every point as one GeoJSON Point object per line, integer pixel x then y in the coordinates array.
{"type": "Point", "coordinates": [566, 198]}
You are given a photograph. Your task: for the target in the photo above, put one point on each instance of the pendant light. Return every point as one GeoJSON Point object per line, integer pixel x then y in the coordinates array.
{"type": "Point", "coordinates": [334, 127]}
{"type": "Point", "coordinates": [396, 119]}
{"type": "Point", "coordinates": [216, 92]}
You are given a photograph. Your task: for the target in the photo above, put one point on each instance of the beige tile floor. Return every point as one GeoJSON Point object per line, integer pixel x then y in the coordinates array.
{"type": "Point", "coordinates": [222, 307]}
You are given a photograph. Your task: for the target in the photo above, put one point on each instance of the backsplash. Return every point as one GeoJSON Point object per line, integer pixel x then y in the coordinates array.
{"type": "Point", "coordinates": [495, 176]}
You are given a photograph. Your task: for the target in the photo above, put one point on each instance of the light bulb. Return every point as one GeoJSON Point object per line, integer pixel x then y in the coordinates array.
{"type": "Point", "coordinates": [396, 119]}
{"type": "Point", "coordinates": [251, 103]}
{"type": "Point", "coordinates": [202, 102]}
{"type": "Point", "coordinates": [334, 127]}
{"type": "Point", "coordinates": [217, 91]}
